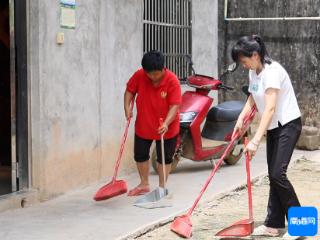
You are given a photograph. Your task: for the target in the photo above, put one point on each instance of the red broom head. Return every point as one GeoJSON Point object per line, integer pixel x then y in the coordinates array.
{"type": "Point", "coordinates": [182, 226]}
{"type": "Point", "coordinates": [110, 190]}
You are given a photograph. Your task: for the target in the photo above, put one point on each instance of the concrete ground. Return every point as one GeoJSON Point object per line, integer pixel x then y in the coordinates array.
{"type": "Point", "coordinates": [76, 216]}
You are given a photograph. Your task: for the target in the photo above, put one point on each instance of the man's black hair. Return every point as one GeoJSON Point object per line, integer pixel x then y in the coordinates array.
{"type": "Point", "coordinates": [153, 61]}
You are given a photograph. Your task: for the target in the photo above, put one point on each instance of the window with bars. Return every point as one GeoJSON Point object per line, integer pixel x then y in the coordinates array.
{"type": "Point", "coordinates": [167, 28]}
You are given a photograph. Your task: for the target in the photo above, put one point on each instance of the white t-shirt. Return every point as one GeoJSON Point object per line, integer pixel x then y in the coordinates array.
{"type": "Point", "coordinates": [274, 76]}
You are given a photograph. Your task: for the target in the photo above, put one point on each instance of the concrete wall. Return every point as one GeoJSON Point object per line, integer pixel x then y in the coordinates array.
{"type": "Point", "coordinates": [76, 90]}
{"type": "Point", "coordinates": [295, 44]}
{"type": "Point", "coordinates": [204, 38]}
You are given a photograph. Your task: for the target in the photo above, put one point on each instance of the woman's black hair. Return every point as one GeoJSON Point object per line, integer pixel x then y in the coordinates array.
{"type": "Point", "coordinates": [247, 45]}
{"type": "Point", "coordinates": [153, 61]}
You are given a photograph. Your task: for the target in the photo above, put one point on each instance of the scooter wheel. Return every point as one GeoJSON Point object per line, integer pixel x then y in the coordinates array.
{"type": "Point", "coordinates": [234, 156]}
{"type": "Point", "coordinates": [154, 162]}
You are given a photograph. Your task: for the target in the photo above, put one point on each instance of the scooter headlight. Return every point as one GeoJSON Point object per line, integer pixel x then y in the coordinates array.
{"type": "Point", "coordinates": [187, 117]}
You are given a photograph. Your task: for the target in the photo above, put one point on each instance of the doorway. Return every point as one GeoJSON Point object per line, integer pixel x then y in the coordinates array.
{"type": "Point", "coordinates": [5, 101]}
{"type": "Point", "coordinates": [13, 97]}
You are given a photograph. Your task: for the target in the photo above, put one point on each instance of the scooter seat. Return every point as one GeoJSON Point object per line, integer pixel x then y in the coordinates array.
{"type": "Point", "coordinates": [226, 111]}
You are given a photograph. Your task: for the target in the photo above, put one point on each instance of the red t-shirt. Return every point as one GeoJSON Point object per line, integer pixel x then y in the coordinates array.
{"type": "Point", "coordinates": [153, 103]}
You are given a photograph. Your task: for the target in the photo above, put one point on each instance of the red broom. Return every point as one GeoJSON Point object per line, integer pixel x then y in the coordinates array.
{"type": "Point", "coordinates": [115, 187]}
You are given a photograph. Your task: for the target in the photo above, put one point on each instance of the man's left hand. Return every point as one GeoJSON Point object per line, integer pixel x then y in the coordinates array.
{"type": "Point", "coordinates": [163, 128]}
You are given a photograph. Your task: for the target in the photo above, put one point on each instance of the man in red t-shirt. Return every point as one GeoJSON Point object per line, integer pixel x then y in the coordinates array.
{"type": "Point", "coordinates": [158, 96]}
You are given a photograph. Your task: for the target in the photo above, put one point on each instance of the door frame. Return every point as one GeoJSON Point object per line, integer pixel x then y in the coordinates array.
{"type": "Point", "coordinates": [19, 94]}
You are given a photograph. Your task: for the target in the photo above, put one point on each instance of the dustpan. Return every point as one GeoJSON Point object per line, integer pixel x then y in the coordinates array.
{"type": "Point", "coordinates": [244, 227]}
{"type": "Point", "coordinates": [160, 197]}
{"type": "Point", "coordinates": [241, 228]}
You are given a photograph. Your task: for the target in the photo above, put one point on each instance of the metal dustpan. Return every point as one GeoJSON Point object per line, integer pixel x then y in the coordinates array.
{"type": "Point", "coordinates": [160, 197]}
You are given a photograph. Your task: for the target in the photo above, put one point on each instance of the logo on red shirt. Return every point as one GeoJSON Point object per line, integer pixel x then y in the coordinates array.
{"type": "Point", "coordinates": [163, 94]}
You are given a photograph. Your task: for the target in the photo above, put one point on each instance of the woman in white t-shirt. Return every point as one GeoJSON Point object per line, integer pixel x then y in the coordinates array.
{"type": "Point", "coordinates": [272, 92]}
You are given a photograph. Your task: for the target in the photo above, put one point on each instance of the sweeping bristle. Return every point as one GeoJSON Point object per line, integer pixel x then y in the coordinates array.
{"type": "Point", "coordinates": [182, 226]}
{"type": "Point", "coordinates": [111, 190]}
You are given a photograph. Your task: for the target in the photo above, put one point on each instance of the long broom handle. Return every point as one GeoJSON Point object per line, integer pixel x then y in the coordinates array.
{"type": "Point", "coordinates": [246, 123]}
{"type": "Point", "coordinates": [248, 157]}
{"type": "Point", "coordinates": [162, 156]}
{"type": "Point", "coordinates": [124, 138]}
{"type": "Point", "coordinates": [163, 162]}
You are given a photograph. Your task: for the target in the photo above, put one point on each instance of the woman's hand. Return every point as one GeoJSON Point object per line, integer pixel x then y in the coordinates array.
{"type": "Point", "coordinates": [252, 147]}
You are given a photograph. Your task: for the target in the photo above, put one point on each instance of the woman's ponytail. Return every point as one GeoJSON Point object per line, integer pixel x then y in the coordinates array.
{"type": "Point", "coordinates": [247, 45]}
{"type": "Point", "coordinates": [263, 50]}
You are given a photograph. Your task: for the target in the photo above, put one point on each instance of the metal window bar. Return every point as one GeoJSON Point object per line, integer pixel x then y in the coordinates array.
{"type": "Point", "coordinates": [167, 27]}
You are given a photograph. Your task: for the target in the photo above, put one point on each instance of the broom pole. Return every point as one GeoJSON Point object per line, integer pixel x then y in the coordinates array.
{"type": "Point", "coordinates": [249, 185]}
{"type": "Point", "coordinates": [124, 138]}
{"type": "Point", "coordinates": [162, 155]}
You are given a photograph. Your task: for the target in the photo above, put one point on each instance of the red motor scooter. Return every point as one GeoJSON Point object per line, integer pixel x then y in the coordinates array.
{"type": "Point", "coordinates": [210, 142]}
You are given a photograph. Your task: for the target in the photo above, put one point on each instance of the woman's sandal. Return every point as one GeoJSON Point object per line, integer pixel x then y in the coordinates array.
{"type": "Point", "coordinates": [263, 231]}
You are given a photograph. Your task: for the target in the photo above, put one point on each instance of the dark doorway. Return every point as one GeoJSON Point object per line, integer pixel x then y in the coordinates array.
{"type": "Point", "coordinates": [14, 167]}
{"type": "Point", "coordinates": [5, 101]}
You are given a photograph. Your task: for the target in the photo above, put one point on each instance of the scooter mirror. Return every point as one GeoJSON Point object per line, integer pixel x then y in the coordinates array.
{"type": "Point", "coordinates": [232, 67]}
{"type": "Point", "coordinates": [189, 61]}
